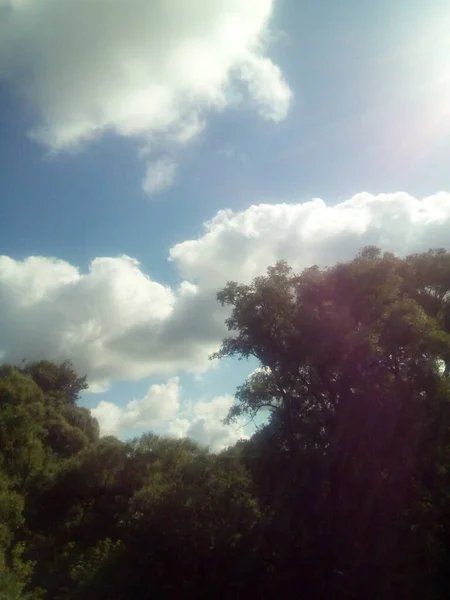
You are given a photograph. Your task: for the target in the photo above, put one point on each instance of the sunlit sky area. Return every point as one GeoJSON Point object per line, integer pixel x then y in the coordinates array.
{"type": "Point", "coordinates": [152, 150]}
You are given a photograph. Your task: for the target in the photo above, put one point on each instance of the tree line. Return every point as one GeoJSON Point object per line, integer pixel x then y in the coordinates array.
{"type": "Point", "coordinates": [344, 493]}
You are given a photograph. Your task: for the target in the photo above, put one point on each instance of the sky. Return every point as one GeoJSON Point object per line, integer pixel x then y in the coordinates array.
{"type": "Point", "coordinates": [152, 150]}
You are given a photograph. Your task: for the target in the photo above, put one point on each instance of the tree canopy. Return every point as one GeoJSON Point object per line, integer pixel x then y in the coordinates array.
{"type": "Point", "coordinates": [343, 493]}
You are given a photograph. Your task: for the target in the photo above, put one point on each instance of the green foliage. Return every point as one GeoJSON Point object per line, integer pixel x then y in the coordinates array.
{"type": "Point", "coordinates": [357, 446]}
{"type": "Point", "coordinates": [21, 426]}
{"type": "Point", "coordinates": [91, 568]}
{"type": "Point", "coordinates": [56, 381]}
{"type": "Point", "coordinates": [14, 571]}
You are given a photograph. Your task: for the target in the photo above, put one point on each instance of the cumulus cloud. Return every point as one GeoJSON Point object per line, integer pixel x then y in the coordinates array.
{"type": "Point", "coordinates": [159, 404]}
{"type": "Point", "coordinates": [50, 309]}
{"type": "Point", "coordinates": [161, 408]}
{"type": "Point", "coordinates": [239, 245]}
{"type": "Point", "coordinates": [205, 424]}
{"type": "Point", "coordinates": [160, 175]}
{"type": "Point", "coordinates": [114, 321]}
{"type": "Point", "coordinates": [137, 68]}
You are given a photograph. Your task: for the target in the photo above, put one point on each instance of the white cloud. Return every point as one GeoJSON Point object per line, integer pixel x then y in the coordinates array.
{"type": "Point", "coordinates": [109, 417]}
{"type": "Point", "coordinates": [160, 403]}
{"type": "Point", "coordinates": [267, 87]}
{"type": "Point", "coordinates": [240, 245]}
{"type": "Point", "coordinates": [160, 409]}
{"type": "Point", "coordinates": [160, 175]}
{"type": "Point", "coordinates": [50, 309]}
{"type": "Point", "coordinates": [116, 323]}
{"type": "Point", "coordinates": [206, 427]}
{"type": "Point", "coordinates": [137, 68]}
{"type": "Point", "coordinates": [178, 428]}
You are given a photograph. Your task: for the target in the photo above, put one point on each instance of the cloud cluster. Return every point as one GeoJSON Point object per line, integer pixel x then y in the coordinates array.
{"type": "Point", "coordinates": [239, 245]}
{"type": "Point", "coordinates": [204, 424]}
{"type": "Point", "coordinates": [113, 321]}
{"type": "Point", "coordinates": [161, 407]}
{"type": "Point", "coordinates": [116, 322]}
{"type": "Point", "coordinates": [137, 68]}
{"type": "Point", "coordinates": [160, 403]}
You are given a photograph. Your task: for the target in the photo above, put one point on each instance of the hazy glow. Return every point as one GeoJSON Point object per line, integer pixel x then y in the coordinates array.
{"type": "Point", "coordinates": [429, 56]}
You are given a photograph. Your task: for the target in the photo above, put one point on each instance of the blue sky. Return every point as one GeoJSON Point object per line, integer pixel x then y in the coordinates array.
{"type": "Point", "coordinates": [347, 102]}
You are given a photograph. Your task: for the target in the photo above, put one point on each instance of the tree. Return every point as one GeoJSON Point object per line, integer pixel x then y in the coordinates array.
{"type": "Point", "coordinates": [39, 425]}
{"type": "Point", "coordinates": [56, 380]}
{"type": "Point", "coordinates": [359, 417]}
{"type": "Point", "coordinates": [14, 571]}
{"type": "Point", "coordinates": [21, 426]}
{"type": "Point", "coordinates": [185, 527]}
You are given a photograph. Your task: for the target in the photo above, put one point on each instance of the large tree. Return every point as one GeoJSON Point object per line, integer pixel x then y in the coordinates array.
{"type": "Point", "coordinates": [354, 381]}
